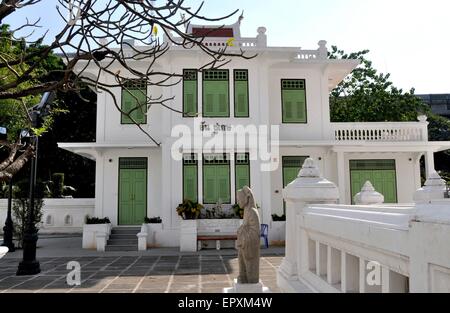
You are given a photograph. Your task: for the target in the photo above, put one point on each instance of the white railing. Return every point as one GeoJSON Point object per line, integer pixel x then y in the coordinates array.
{"type": "Point", "coordinates": [307, 55]}
{"type": "Point", "coordinates": [380, 132]}
{"type": "Point", "coordinates": [364, 248]}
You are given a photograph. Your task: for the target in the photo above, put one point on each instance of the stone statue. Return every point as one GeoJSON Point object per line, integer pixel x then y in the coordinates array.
{"type": "Point", "coordinates": [248, 238]}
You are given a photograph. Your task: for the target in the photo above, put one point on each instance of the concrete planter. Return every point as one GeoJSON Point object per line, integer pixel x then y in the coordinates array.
{"type": "Point", "coordinates": [188, 236]}
{"type": "Point", "coordinates": [150, 236]}
{"type": "Point", "coordinates": [277, 232]}
{"type": "Point", "coordinates": [96, 236]}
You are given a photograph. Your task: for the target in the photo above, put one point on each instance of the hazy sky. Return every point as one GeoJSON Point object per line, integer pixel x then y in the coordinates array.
{"type": "Point", "coordinates": [408, 38]}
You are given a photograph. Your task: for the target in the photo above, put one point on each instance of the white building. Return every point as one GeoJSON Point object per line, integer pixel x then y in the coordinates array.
{"type": "Point", "coordinates": [285, 86]}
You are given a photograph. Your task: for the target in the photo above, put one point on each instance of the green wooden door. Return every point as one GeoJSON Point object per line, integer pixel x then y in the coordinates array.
{"type": "Point", "coordinates": [384, 181]}
{"type": "Point", "coordinates": [132, 196]}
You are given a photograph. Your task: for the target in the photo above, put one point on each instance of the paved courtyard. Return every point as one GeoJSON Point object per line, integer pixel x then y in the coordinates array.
{"type": "Point", "coordinates": [157, 271]}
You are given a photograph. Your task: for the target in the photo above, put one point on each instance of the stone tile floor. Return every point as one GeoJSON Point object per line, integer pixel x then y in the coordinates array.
{"type": "Point", "coordinates": [136, 274]}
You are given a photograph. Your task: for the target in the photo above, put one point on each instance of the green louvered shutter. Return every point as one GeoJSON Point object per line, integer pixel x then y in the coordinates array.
{"type": "Point", "coordinates": [223, 184]}
{"type": "Point", "coordinates": [134, 102]}
{"type": "Point", "coordinates": [241, 101]}
{"type": "Point", "coordinates": [190, 183]}
{"type": "Point", "coordinates": [216, 93]}
{"type": "Point", "coordinates": [242, 171]}
{"type": "Point", "coordinates": [294, 101]}
{"type": "Point", "coordinates": [209, 184]}
{"type": "Point", "coordinates": [190, 85]}
{"type": "Point", "coordinates": [381, 173]}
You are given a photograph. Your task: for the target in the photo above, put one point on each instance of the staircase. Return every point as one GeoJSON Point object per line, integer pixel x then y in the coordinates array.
{"type": "Point", "coordinates": [123, 239]}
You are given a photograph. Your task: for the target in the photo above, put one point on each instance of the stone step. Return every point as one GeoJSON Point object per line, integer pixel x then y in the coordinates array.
{"type": "Point", "coordinates": [122, 248]}
{"type": "Point", "coordinates": [125, 231]}
{"type": "Point", "coordinates": [122, 242]}
{"type": "Point", "coordinates": [122, 236]}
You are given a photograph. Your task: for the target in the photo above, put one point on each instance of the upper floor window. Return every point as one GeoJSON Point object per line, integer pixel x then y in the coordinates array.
{"type": "Point", "coordinates": [134, 102]}
{"type": "Point", "coordinates": [241, 101]}
{"type": "Point", "coordinates": [190, 93]}
{"type": "Point", "coordinates": [216, 95]}
{"type": "Point", "coordinates": [293, 95]}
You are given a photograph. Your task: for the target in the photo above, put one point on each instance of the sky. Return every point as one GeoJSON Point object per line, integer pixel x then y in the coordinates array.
{"type": "Point", "coordinates": [407, 38]}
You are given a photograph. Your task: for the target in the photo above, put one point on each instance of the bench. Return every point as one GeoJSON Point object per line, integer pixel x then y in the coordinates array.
{"type": "Point", "coordinates": [217, 238]}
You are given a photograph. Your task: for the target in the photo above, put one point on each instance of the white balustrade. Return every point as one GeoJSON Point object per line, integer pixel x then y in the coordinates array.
{"type": "Point", "coordinates": [366, 248]}
{"type": "Point", "coordinates": [380, 132]}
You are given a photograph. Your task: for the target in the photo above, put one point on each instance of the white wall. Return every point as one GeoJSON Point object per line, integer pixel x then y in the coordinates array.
{"type": "Point", "coordinates": [58, 210]}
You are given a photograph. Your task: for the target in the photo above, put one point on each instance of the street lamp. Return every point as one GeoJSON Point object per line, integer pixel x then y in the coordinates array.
{"type": "Point", "coordinates": [9, 226]}
{"type": "Point", "coordinates": [29, 264]}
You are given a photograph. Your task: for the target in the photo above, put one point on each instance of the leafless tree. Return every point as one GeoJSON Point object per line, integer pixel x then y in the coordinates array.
{"type": "Point", "coordinates": [111, 37]}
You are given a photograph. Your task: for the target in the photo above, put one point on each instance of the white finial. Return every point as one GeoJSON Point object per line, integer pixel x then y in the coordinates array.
{"type": "Point", "coordinates": [434, 189]}
{"type": "Point", "coordinates": [422, 118]}
{"type": "Point", "coordinates": [309, 169]}
{"type": "Point", "coordinates": [368, 195]}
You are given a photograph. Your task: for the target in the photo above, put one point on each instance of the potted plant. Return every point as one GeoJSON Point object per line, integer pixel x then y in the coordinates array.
{"type": "Point", "coordinates": [238, 211]}
{"type": "Point", "coordinates": [189, 210]}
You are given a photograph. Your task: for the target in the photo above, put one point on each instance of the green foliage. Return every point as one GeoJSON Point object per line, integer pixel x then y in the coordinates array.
{"type": "Point", "coordinates": [277, 218]}
{"type": "Point", "coordinates": [368, 96]}
{"type": "Point", "coordinates": [238, 211]}
{"type": "Point", "coordinates": [56, 188]}
{"type": "Point", "coordinates": [97, 221]}
{"type": "Point", "coordinates": [21, 208]}
{"type": "Point", "coordinates": [153, 220]}
{"type": "Point", "coordinates": [189, 210]}
{"type": "Point", "coordinates": [13, 112]}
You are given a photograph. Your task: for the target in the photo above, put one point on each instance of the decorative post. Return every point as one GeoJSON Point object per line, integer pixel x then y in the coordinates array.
{"type": "Point", "coordinates": [369, 196]}
{"type": "Point", "coordinates": [308, 188]}
{"type": "Point", "coordinates": [9, 226]}
{"type": "Point", "coordinates": [434, 189]}
{"type": "Point", "coordinates": [323, 51]}
{"type": "Point", "coordinates": [261, 38]}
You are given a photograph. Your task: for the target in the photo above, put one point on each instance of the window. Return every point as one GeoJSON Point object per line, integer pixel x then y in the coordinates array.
{"type": "Point", "coordinates": [293, 94]}
{"type": "Point", "coordinates": [190, 93]}
{"type": "Point", "coordinates": [291, 168]}
{"type": "Point", "coordinates": [190, 177]}
{"type": "Point", "coordinates": [241, 102]}
{"type": "Point", "coordinates": [242, 171]}
{"type": "Point", "coordinates": [216, 179]}
{"type": "Point", "coordinates": [381, 173]}
{"type": "Point", "coordinates": [216, 95]}
{"type": "Point", "coordinates": [134, 102]}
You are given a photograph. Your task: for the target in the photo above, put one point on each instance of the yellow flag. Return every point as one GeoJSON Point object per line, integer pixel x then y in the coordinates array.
{"type": "Point", "coordinates": [230, 42]}
{"type": "Point", "coordinates": [155, 30]}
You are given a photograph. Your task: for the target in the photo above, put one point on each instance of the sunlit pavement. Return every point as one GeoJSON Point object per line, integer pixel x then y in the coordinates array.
{"type": "Point", "coordinates": [154, 271]}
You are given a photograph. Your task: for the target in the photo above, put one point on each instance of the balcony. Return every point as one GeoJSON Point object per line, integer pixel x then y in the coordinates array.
{"type": "Point", "coordinates": [380, 132]}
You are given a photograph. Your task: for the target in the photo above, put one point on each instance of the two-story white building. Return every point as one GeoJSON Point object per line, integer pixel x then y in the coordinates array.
{"type": "Point", "coordinates": [283, 86]}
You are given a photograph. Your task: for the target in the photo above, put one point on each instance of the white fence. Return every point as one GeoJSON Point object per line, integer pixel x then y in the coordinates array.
{"type": "Point", "coordinates": [365, 249]}
{"type": "Point", "coordinates": [59, 215]}
{"type": "Point", "coordinates": [380, 132]}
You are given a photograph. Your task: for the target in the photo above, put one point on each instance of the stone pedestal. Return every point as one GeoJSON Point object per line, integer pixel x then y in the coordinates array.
{"type": "Point", "coordinates": [247, 288]}
{"type": "Point", "coordinates": [3, 251]}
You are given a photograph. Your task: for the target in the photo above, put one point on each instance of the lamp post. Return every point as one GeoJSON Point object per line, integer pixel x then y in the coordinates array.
{"type": "Point", "coordinates": [9, 226]}
{"type": "Point", "coordinates": [29, 264]}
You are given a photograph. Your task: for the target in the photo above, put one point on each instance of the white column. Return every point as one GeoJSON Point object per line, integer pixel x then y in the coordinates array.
{"type": "Point", "coordinates": [341, 176]}
{"type": "Point", "coordinates": [307, 189]}
{"type": "Point", "coordinates": [99, 184]}
{"type": "Point", "coordinates": [429, 163]}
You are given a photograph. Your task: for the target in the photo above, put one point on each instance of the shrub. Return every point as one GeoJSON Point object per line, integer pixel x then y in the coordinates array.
{"type": "Point", "coordinates": [97, 221]}
{"type": "Point", "coordinates": [189, 210]}
{"type": "Point", "coordinates": [153, 220]}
